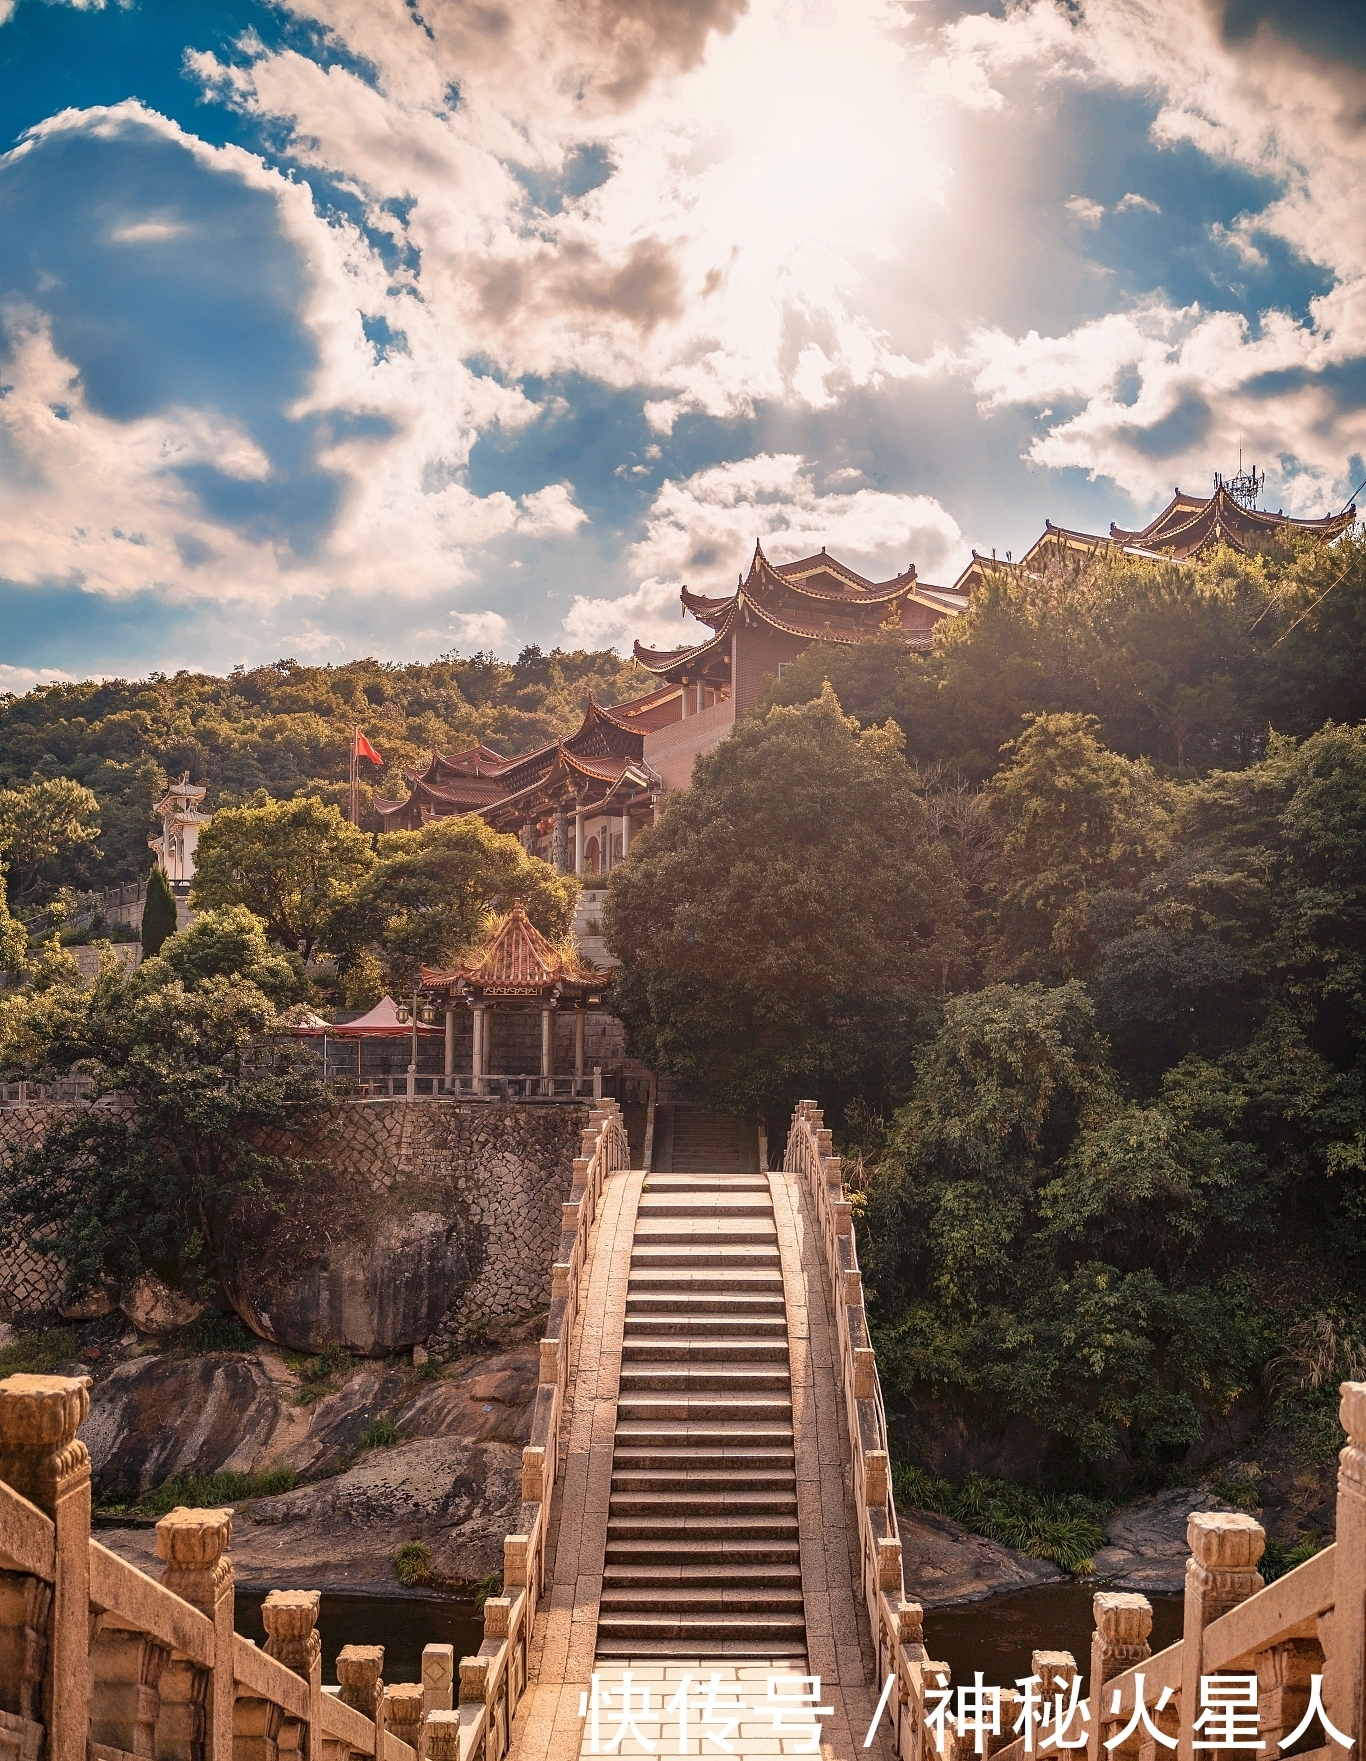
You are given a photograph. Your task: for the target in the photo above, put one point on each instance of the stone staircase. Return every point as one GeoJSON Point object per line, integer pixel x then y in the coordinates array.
{"type": "Point", "coordinates": [691, 1140]}
{"type": "Point", "coordinates": [702, 1551]}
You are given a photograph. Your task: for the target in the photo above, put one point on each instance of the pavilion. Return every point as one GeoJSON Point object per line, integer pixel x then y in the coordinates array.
{"type": "Point", "coordinates": [518, 970]}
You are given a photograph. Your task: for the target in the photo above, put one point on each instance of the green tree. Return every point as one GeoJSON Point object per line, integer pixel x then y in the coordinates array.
{"type": "Point", "coordinates": [434, 892]}
{"type": "Point", "coordinates": [231, 943]}
{"type": "Point", "coordinates": [158, 912]}
{"type": "Point", "coordinates": [789, 923]}
{"type": "Point", "coordinates": [1040, 1248]}
{"type": "Point", "coordinates": [1076, 820]}
{"type": "Point", "coordinates": [39, 821]}
{"type": "Point", "coordinates": [291, 863]}
{"type": "Point", "coordinates": [147, 1182]}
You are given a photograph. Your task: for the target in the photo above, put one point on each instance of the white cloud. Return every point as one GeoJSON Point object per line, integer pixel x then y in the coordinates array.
{"type": "Point", "coordinates": [147, 232]}
{"type": "Point", "coordinates": [18, 679]}
{"type": "Point", "coordinates": [1084, 210]}
{"type": "Point", "coordinates": [480, 629]}
{"type": "Point", "coordinates": [702, 531]}
{"type": "Point", "coordinates": [1133, 200]}
{"type": "Point", "coordinates": [1196, 376]}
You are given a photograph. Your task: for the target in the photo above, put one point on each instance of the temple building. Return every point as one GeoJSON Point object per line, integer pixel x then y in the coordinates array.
{"type": "Point", "coordinates": [1191, 526]}
{"type": "Point", "coordinates": [577, 803]}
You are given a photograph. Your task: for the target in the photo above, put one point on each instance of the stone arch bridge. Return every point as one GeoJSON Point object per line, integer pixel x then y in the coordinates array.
{"type": "Point", "coordinates": [706, 1504]}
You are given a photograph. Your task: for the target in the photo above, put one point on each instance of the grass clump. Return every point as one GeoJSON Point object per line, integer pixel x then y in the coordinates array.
{"type": "Point", "coordinates": [1283, 1556]}
{"type": "Point", "coordinates": [492, 1585]}
{"type": "Point", "coordinates": [413, 1563]}
{"type": "Point", "coordinates": [319, 1375]}
{"type": "Point", "coordinates": [204, 1492]}
{"type": "Point", "coordinates": [380, 1433]}
{"type": "Point", "coordinates": [1066, 1527]}
{"type": "Point", "coordinates": [40, 1353]}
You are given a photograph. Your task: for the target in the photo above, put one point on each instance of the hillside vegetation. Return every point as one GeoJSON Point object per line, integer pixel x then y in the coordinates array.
{"type": "Point", "coordinates": [1064, 923]}
{"type": "Point", "coordinates": [283, 729]}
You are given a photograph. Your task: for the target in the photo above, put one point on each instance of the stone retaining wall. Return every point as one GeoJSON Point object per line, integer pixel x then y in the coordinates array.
{"type": "Point", "coordinates": [30, 1283]}
{"type": "Point", "coordinates": [405, 1222]}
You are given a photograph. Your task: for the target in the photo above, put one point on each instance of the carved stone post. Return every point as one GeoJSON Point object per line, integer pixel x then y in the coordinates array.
{"type": "Point", "coordinates": [359, 1672]}
{"type": "Point", "coordinates": [559, 841]}
{"type": "Point", "coordinates": [442, 1735]}
{"type": "Point", "coordinates": [403, 1711]}
{"type": "Point", "coordinates": [1221, 1572]}
{"type": "Point", "coordinates": [196, 1708]}
{"type": "Point", "coordinates": [438, 1676]}
{"type": "Point", "coordinates": [1124, 1623]}
{"type": "Point", "coordinates": [41, 1457]}
{"type": "Point", "coordinates": [1283, 1675]}
{"type": "Point", "coordinates": [290, 1618]}
{"type": "Point", "coordinates": [1346, 1672]}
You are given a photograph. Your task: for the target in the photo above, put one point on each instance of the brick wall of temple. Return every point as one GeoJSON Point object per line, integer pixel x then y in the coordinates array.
{"type": "Point", "coordinates": [759, 652]}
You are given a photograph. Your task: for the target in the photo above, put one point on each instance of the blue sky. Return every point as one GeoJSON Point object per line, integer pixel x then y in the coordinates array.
{"type": "Point", "coordinates": [359, 326]}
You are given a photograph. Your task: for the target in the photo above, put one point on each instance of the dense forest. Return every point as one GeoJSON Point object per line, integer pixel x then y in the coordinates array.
{"type": "Point", "coordinates": [1064, 923]}
{"type": "Point", "coordinates": [284, 730]}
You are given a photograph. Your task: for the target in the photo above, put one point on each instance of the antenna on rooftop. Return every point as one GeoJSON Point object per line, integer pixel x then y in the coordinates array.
{"type": "Point", "coordinates": [1244, 486]}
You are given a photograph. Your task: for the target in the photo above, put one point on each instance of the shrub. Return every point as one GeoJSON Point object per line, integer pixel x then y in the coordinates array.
{"type": "Point", "coordinates": [1064, 1527]}
{"type": "Point", "coordinates": [413, 1563]}
{"type": "Point", "coordinates": [380, 1433]}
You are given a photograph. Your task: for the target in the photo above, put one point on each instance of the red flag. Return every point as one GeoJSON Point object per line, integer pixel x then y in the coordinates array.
{"type": "Point", "coordinates": [365, 750]}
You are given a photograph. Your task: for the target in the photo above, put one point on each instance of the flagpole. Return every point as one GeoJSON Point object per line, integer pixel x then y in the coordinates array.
{"type": "Point", "coordinates": [355, 778]}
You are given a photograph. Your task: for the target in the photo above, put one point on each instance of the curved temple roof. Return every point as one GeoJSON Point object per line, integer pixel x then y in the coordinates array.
{"type": "Point", "coordinates": [816, 599]}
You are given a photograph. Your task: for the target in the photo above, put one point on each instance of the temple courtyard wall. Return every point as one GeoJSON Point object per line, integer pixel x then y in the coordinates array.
{"type": "Point", "coordinates": [393, 1224]}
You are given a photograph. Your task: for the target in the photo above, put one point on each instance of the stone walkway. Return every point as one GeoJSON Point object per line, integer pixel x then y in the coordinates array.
{"type": "Point", "coordinates": [550, 1724]}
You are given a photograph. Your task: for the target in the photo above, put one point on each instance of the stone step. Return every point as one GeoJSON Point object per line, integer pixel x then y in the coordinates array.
{"type": "Point", "coordinates": [744, 1411]}
{"type": "Point", "coordinates": [726, 1502]}
{"type": "Point", "coordinates": [720, 1526]}
{"type": "Point", "coordinates": [705, 1281]}
{"type": "Point", "coordinates": [706, 1233]}
{"type": "Point", "coordinates": [789, 1652]}
{"type": "Point", "coordinates": [676, 1323]}
{"type": "Point", "coordinates": [700, 1577]}
{"type": "Point", "coordinates": [669, 1459]}
{"type": "Point", "coordinates": [662, 1350]}
{"type": "Point", "coordinates": [666, 1553]}
{"type": "Point", "coordinates": [704, 1207]}
{"type": "Point", "coordinates": [689, 1381]}
{"type": "Point", "coordinates": [717, 1177]}
{"type": "Point", "coordinates": [702, 1435]}
{"type": "Point", "coordinates": [678, 1483]}
{"type": "Point", "coordinates": [715, 1256]}
{"type": "Point", "coordinates": [759, 1631]}
{"type": "Point", "coordinates": [719, 1599]}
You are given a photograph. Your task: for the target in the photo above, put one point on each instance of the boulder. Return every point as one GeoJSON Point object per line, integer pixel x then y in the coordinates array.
{"type": "Point", "coordinates": [954, 1565]}
{"type": "Point", "coordinates": [1148, 1548]}
{"type": "Point", "coordinates": [159, 1416]}
{"type": "Point", "coordinates": [90, 1305]}
{"type": "Point", "coordinates": [153, 1307]}
{"type": "Point", "coordinates": [383, 1292]}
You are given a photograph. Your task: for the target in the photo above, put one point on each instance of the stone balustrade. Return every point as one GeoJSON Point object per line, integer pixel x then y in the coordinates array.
{"type": "Point", "coordinates": [491, 1682]}
{"type": "Point", "coordinates": [101, 1662]}
{"type": "Point", "coordinates": [1311, 1622]}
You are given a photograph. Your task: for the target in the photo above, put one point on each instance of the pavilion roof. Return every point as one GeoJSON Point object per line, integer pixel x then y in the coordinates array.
{"type": "Point", "coordinates": [518, 961]}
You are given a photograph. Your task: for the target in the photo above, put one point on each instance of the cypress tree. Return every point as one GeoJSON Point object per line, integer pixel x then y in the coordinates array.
{"type": "Point", "coordinates": [158, 913]}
